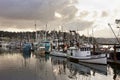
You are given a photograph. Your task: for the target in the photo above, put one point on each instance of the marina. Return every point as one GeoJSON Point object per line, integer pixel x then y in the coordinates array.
{"type": "Point", "coordinates": [58, 59]}
{"type": "Point", "coordinates": [51, 68]}
{"type": "Point", "coordinates": [59, 40]}
{"type": "Point", "coordinates": [64, 59]}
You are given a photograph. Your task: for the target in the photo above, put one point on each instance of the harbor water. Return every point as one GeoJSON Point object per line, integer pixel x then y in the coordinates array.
{"type": "Point", "coordinates": [16, 66]}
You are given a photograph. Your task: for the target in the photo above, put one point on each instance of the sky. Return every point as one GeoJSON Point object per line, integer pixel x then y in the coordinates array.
{"type": "Point", "coordinates": [88, 17]}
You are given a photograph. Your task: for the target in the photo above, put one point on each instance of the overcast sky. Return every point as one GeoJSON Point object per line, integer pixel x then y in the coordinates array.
{"type": "Point", "coordinates": [82, 15]}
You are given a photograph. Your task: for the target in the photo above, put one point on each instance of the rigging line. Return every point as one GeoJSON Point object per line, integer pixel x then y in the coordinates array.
{"type": "Point", "coordinates": [113, 33]}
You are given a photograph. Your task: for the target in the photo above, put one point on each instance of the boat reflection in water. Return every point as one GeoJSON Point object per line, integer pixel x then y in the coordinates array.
{"type": "Point", "coordinates": [78, 71]}
{"type": "Point", "coordinates": [114, 71]}
{"type": "Point", "coordinates": [16, 66]}
{"type": "Point", "coordinates": [26, 50]}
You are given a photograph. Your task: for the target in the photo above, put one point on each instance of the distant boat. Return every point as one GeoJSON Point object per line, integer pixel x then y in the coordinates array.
{"type": "Point", "coordinates": [40, 49]}
{"type": "Point", "coordinates": [26, 50]}
{"type": "Point", "coordinates": [58, 53]}
{"type": "Point", "coordinates": [4, 44]}
{"type": "Point", "coordinates": [59, 49]}
{"type": "Point", "coordinates": [115, 54]}
{"type": "Point", "coordinates": [43, 47]}
{"type": "Point", "coordinates": [83, 54]}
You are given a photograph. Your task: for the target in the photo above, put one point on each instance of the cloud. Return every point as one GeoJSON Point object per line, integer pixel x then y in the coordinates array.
{"type": "Point", "coordinates": [72, 14]}
{"type": "Point", "coordinates": [68, 12]}
{"type": "Point", "coordinates": [42, 10]}
{"type": "Point", "coordinates": [104, 14]}
{"type": "Point", "coordinates": [79, 25]}
{"type": "Point", "coordinates": [58, 15]}
{"type": "Point", "coordinates": [22, 13]}
{"type": "Point", "coordinates": [83, 14]}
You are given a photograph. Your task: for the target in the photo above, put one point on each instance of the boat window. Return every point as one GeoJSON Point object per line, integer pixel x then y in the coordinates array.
{"type": "Point", "coordinates": [84, 49]}
{"type": "Point", "coordinates": [87, 48]}
{"type": "Point", "coordinates": [81, 49]}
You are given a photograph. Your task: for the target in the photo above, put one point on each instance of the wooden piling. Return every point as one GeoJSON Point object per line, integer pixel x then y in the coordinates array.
{"type": "Point", "coordinates": [115, 58]}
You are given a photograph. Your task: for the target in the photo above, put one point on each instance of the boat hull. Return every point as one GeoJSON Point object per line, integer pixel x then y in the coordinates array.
{"type": "Point", "coordinates": [58, 54]}
{"type": "Point", "coordinates": [93, 60]}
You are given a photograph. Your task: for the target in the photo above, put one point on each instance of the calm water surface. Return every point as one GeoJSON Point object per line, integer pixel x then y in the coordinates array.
{"type": "Point", "coordinates": [14, 66]}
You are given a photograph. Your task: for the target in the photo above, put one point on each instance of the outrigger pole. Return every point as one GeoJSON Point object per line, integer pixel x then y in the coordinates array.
{"type": "Point", "coordinates": [114, 33]}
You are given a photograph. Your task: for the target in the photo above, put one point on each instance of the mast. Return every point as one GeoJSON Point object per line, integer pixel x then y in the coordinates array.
{"type": "Point", "coordinates": [45, 32]}
{"type": "Point", "coordinates": [88, 36]}
{"type": "Point", "coordinates": [93, 43]}
{"type": "Point", "coordinates": [35, 32]}
{"type": "Point", "coordinates": [114, 33]}
{"type": "Point", "coordinates": [92, 35]}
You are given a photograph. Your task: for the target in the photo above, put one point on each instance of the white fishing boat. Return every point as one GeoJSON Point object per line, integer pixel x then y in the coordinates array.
{"type": "Point", "coordinates": [4, 44]}
{"type": "Point", "coordinates": [83, 54]}
{"type": "Point", "coordinates": [59, 50]}
{"type": "Point", "coordinates": [58, 53]}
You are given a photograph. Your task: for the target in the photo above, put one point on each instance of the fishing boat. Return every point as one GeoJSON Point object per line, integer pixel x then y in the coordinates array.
{"type": "Point", "coordinates": [84, 54]}
{"type": "Point", "coordinates": [47, 45]}
{"type": "Point", "coordinates": [40, 49]}
{"type": "Point", "coordinates": [4, 44]}
{"type": "Point", "coordinates": [43, 48]}
{"type": "Point", "coordinates": [59, 49]}
{"type": "Point", "coordinates": [26, 49]}
{"type": "Point", "coordinates": [58, 53]}
{"type": "Point", "coordinates": [115, 54]}
{"type": "Point", "coordinates": [117, 51]}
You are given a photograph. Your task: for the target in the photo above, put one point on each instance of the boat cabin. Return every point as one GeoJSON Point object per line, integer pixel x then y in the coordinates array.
{"type": "Point", "coordinates": [81, 52]}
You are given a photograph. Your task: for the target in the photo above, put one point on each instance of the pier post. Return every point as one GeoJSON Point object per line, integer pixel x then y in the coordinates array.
{"type": "Point", "coordinates": [114, 54]}
{"type": "Point", "coordinates": [93, 49]}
